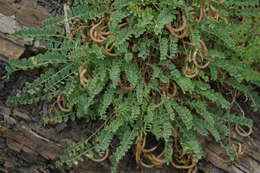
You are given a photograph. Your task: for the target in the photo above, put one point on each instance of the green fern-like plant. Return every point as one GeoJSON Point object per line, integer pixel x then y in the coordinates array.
{"type": "Point", "coordinates": [162, 68]}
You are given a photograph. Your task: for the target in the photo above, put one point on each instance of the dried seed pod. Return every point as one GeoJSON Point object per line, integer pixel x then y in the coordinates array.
{"type": "Point", "coordinates": [100, 159]}
{"type": "Point", "coordinates": [184, 166]}
{"type": "Point", "coordinates": [60, 103]}
{"type": "Point", "coordinates": [195, 61]}
{"type": "Point", "coordinates": [183, 28]}
{"type": "Point", "coordinates": [190, 72]}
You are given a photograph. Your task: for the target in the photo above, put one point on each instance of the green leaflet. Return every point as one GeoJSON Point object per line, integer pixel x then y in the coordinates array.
{"type": "Point", "coordinates": [106, 102]}
{"type": "Point", "coordinates": [184, 114]}
{"type": "Point", "coordinates": [41, 60]}
{"type": "Point", "coordinates": [114, 73]}
{"type": "Point", "coordinates": [131, 73]}
{"type": "Point", "coordinates": [126, 142]}
{"type": "Point", "coordinates": [238, 120]}
{"type": "Point", "coordinates": [163, 18]}
{"type": "Point", "coordinates": [204, 90]}
{"type": "Point", "coordinates": [163, 48]}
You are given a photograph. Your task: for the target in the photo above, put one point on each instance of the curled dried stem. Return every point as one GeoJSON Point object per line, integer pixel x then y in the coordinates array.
{"type": "Point", "coordinates": [108, 50]}
{"type": "Point", "coordinates": [127, 88]}
{"type": "Point", "coordinates": [218, 1]}
{"type": "Point", "coordinates": [174, 92]}
{"type": "Point", "coordinates": [183, 28]}
{"type": "Point", "coordinates": [83, 80]}
{"type": "Point", "coordinates": [238, 149]}
{"type": "Point", "coordinates": [184, 166]}
{"type": "Point", "coordinates": [100, 159]}
{"type": "Point", "coordinates": [195, 61]}
{"type": "Point", "coordinates": [190, 72]}
{"type": "Point", "coordinates": [96, 35]}
{"type": "Point", "coordinates": [239, 129]}
{"type": "Point", "coordinates": [60, 102]}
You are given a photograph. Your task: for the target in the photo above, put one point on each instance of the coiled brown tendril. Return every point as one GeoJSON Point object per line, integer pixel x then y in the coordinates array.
{"type": "Point", "coordinates": [100, 159]}
{"type": "Point", "coordinates": [191, 66]}
{"type": "Point", "coordinates": [195, 56]}
{"type": "Point", "coordinates": [239, 129]}
{"type": "Point", "coordinates": [198, 19]}
{"type": "Point", "coordinates": [184, 29]}
{"type": "Point", "coordinates": [208, 11]}
{"type": "Point", "coordinates": [123, 86]}
{"type": "Point", "coordinates": [218, 1]}
{"type": "Point", "coordinates": [155, 160]}
{"type": "Point", "coordinates": [193, 169]}
{"type": "Point", "coordinates": [108, 50]}
{"type": "Point", "coordinates": [174, 132]}
{"type": "Point", "coordinates": [185, 159]}
{"type": "Point", "coordinates": [140, 144]}
{"type": "Point", "coordinates": [60, 102]}
{"type": "Point", "coordinates": [160, 103]}
{"type": "Point", "coordinates": [211, 12]}
{"type": "Point", "coordinates": [146, 153]}
{"type": "Point", "coordinates": [82, 76]}
{"type": "Point", "coordinates": [158, 160]}
{"type": "Point", "coordinates": [145, 165]}
{"type": "Point", "coordinates": [238, 149]}
{"type": "Point", "coordinates": [169, 89]}
{"type": "Point", "coordinates": [190, 70]}
{"type": "Point", "coordinates": [184, 166]}
{"type": "Point", "coordinates": [149, 159]}
{"type": "Point", "coordinates": [173, 92]}
{"type": "Point", "coordinates": [96, 35]}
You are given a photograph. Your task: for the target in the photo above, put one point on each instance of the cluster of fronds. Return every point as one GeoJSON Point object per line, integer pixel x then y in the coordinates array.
{"type": "Point", "coordinates": [166, 69]}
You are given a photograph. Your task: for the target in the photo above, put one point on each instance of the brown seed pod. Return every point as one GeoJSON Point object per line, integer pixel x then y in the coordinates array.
{"type": "Point", "coordinates": [158, 159]}
{"type": "Point", "coordinates": [146, 165]}
{"type": "Point", "coordinates": [60, 103]}
{"type": "Point", "coordinates": [173, 93]}
{"type": "Point", "coordinates": [123, 86]}
{"type": "Point", "coordinates": [218, 1]}
{"type": "Point", "coordinates": [109, 49]}
{"type": "Point", "coordinates": [96, 35]}
{"type": "Point", "coordinates": [159, 104]}
{"type": "Point", "coordinates": [238, 128]}
{"type": "Point", "coordinates": [93, 33]}
{"type": "Point", "coordinates": [193, 170]}
{"type": "Point", "coordinates": [194, 59]}
{"type": "Point", "coordinates": [183, 166]}
{"type": "Point", "coordinates": [211, 12]}
{"type": "Point", "coordinates": [83, 80]}
{"type": "Point", "coordinates": [190, 72]}
{"type": "Point", "coordinates": [100, 159]}
{"type": "Point", "coordinates": [183, 28]}
{"type": "Point", "coordinates": [201, 15]}
{"type": "Point", "coordinates": [141, 141]}
{"type": "Point", "coordinates": [182, 35]}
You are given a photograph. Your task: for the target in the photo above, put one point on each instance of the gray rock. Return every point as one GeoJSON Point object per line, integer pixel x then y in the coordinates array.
{"type": "Point", "coordinates": [8, 24]}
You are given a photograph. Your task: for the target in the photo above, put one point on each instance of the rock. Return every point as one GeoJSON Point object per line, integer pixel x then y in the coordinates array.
{"type": "Point", "coordinates": [21, 115]}
{"type": "Point", "coordinates": [8, 24]}
{"type": "Point", "coordinates": [5, 111]}
{"type": "Point", "coordinates": [16, 15]}
{"type": "Point", "coordinates": [10, 121]}
{"type": "Point", "coordinates": [20, 41]}
{"type": "Point", "coordinates": [8, 164]}
{"type": "Point", "coordinates": [26, 12]}
{"type": "Point", "coordinates": [10, 49]}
